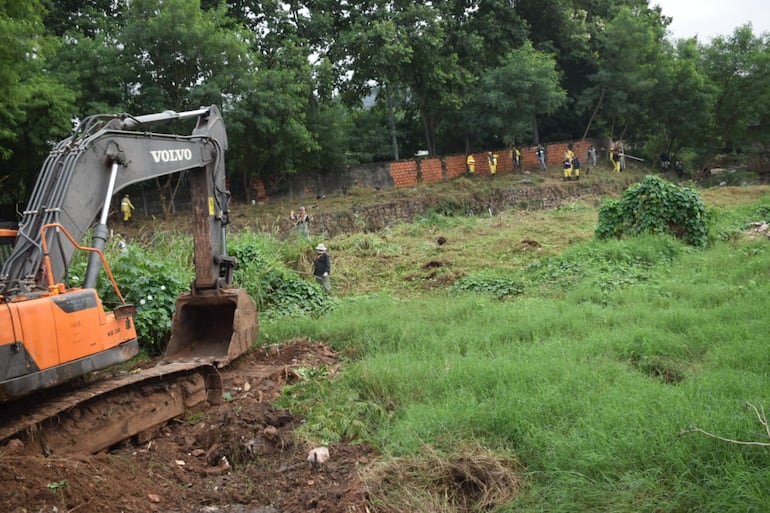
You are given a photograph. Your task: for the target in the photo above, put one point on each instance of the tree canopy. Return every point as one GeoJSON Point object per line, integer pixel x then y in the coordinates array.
{"type": "Point", "coordinates": [306, 86]}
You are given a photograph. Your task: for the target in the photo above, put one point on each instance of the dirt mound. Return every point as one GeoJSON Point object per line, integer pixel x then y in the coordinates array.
{"type": "Point", "coordinates": [240, 456]}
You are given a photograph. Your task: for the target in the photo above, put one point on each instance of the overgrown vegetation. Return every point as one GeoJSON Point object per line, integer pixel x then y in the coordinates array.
{"type": "Point", "coordinates": [567, 373]}
{"type": "Point", "coordinates": [152, 277]}
{"type": "Point", "coordinates": [588, 375]}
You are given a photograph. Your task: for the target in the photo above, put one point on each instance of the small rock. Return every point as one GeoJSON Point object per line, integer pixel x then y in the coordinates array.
{"type": "Point", "coordinates": [181, 463]}
{"type": "Point", "coordinates": [246, 386]}
{"type": "Point", "coordinates": [222, 468]}
{"type": "Point", "coordinates": [153, 497]}
{"type": "Point", "coordinates": [198, 453]}
{"type": "Point", "coordinates": [13, 447]}
{"type": "Point", "coordinates": [270, 433]}
{"type": "Point", "coordinates": [318, 456]}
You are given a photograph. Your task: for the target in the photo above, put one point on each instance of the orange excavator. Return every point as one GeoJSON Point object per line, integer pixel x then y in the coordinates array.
{"type": "Point", "coordinates": [53, 331]}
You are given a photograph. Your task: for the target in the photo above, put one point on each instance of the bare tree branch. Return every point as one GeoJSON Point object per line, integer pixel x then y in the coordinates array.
{"type": "Point", "coordinates": [761, 417]}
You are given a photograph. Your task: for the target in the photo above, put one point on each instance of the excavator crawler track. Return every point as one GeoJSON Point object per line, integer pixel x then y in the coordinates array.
{"type": "Point", "coordinates": [104, 413]}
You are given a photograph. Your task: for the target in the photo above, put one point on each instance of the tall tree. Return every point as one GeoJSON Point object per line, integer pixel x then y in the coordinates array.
{"type": "Point", "coordinates": [181, 55]}
{"type": "Point", "coordinates": [35, 104]}
{"type": "Point", "coordinates": [86, 17]}
{"type": "Point", "coordinates": [270, 119]}
{"type": "Point", "coordinates": [377, 43]}
{"type": "Point", "coordinates": [739, 68]}
{"type": "Point", "coordinates": [628, 67]}
{"type": "Point", "coordinates": [526, 84]}
{"type": "Point", "coordinates": [681, 114]}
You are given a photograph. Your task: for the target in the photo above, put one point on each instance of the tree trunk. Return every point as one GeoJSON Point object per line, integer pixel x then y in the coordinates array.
{"type": "Point", "coordinates": [175, 190]}
{"type": "Point", "coordinates": [392, 122]}
{"type": "Point", "coordinates": [162, 189]}
{"type": "Point", "coordinates": [426, 128]}
{"type": "Point", "coordinates": [593, 114]}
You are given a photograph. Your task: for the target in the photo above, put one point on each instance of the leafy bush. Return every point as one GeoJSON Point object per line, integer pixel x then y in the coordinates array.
{"type": "Point", "coordinates": [276, 289]}
{"type": "Point", "coordinates": [500, 287]}
{"type": "Point", "coordinates": [352, 418]}
{"type": "Point", "coordinates": [151, 279]}
{"type": "Point", "coordinates": [658, 207]}
{"type": "Point", "coordinates": [151, 283]}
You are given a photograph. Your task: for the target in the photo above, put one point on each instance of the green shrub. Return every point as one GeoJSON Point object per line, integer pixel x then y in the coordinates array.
{"type": "Point", "coordinates": [658, 207]}
{"type": "Point", "coordinates": [276, 289]}
{"type": "Point", "coordinates": [500, 287]}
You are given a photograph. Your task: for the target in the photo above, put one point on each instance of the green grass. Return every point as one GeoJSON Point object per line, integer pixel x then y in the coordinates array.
{"type": "Point", "coordinates": [589, 376]}
{"type": "Point", "coordinates": [584, 362]}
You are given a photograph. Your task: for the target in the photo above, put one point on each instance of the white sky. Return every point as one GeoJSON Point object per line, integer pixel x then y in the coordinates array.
{"type": "Point", "coordinates": [710, 18]}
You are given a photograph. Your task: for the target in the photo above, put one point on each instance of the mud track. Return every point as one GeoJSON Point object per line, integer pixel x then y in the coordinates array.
{"type": "Point", "coordinates": [100, 414]}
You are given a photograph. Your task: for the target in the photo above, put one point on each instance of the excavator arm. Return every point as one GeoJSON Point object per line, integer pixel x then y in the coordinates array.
{"type": "Point", "coordinates": [82, 174]}
{"type": "Point", "coordinates": [50, 333]}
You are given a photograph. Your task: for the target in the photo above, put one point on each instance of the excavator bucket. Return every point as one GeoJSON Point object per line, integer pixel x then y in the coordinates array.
{"type": "Point", "coordinates": [217, 325]}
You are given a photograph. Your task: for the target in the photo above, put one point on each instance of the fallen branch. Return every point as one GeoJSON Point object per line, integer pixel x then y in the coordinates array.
{"type": "Point", "coordinates": [761, 417]}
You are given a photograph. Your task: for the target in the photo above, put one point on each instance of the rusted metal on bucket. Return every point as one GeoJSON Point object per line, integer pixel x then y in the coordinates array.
{"type": "Point", "coordinates": [216, 325]}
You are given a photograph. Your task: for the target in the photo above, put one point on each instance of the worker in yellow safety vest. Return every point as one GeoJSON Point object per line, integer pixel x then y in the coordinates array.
{"type": "Point", "coordinates": [569, 156]}
{"type": "Point", "coordinates": [126, 207]}
{"type": "Point", "coordinates": [470, 162]}
{"type": "Point", "coordinates": [492, 158]}
{"type": "Point", "coordinates": [615, 158]}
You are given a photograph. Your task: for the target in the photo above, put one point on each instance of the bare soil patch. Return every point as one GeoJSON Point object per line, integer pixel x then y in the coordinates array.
{"type": "Point", "coordinates": [240, 456]}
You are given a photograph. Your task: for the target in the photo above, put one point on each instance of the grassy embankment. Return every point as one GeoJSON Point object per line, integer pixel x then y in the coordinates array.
{"type": "Point", "coordinates": [575, 365]}
{"type": "Point", "coordinates": [582, 360]}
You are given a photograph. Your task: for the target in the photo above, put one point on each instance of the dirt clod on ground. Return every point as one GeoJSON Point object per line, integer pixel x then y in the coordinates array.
{"type": "Point", "coordinates": [240, 456]}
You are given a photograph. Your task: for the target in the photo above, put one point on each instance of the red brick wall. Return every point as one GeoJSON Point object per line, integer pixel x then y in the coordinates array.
{"type": "Point", "coordinates": [482, 168]}
{"type": "Point", "coordinates": [528, 158]}
{"type": "Point", "coordinates": [455, 166]}
{"type": "Point", "coordinates": [504, 161]}
{"type": "Point", "coordinates": [404, 173]}
{"type": "Point", "coordinates": [430, 170]}
{"type": "Point", "coordinates": [554, 154]}
{"type": "Point", "coordinates": [581, 148]}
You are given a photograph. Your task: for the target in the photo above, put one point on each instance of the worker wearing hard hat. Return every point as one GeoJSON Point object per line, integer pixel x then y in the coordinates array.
{"type": "Point", "coordinates": [470, 162]}
{"type": "Point", "coordinates": [322, 268]}
{"type": "Point", "coordinates": [126, 207]}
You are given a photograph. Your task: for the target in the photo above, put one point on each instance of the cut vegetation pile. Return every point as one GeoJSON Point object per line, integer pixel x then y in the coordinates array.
{"type": "Point", "coordinates": [475, 480]}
